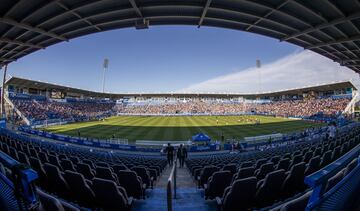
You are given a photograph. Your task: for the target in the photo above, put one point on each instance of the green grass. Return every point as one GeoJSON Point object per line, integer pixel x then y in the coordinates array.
{"type": "Point", "coordinates": [181, 127]}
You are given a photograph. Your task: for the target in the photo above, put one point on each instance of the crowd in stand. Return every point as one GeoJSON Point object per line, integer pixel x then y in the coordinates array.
{"type": "Point", "coordinates": [193, 107]}
{"type": "Point", "coordinates": [304, 108]}
{"type": "Point", "coordinates": [294, 108]}
{"type": "Point", "coordinates": [42, 110]}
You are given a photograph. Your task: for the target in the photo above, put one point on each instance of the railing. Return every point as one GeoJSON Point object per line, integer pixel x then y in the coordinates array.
{"type": "Point", "coordinates": [18, 192]}
{"type": "Point", "coordinates": [317, 181]}
{"type": "Point", "coordinates": [344, 195]}
{"type": "Point", "coordinates": [78, 140]}
{"type": "Point", "coordinates": [350, 106]}
{"type": "Point", "coordinates": [11, 104]}
{"type": "Point", "coordinates": [171, 184]}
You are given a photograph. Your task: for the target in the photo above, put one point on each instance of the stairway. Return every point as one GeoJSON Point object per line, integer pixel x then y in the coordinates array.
{"type": "Point", "coordinates": [11, 105]}
{"type": "Point", "coordinates": [351, 105]}
{"type": "Point", "coordinates": [188, 197]}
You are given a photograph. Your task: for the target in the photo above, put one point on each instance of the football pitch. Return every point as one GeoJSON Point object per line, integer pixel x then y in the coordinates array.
{"type": "Point", "coordinates": [177, 128]}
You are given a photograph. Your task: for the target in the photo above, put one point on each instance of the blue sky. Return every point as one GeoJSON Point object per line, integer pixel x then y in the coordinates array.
{"type": "Point", "coordinates": [160, 59]}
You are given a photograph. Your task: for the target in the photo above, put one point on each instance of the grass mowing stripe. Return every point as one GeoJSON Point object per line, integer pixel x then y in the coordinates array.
{"type": "Point", "coordinates": [154, 132]}
{"type": "Point", "coordinates": [186, 132]}
{"type": "Point", "coordinates": [168, 133]}
{"type": "Point", "coordinates": [150, 133]}
{"type": "Point", "coordinates": [133, 133]}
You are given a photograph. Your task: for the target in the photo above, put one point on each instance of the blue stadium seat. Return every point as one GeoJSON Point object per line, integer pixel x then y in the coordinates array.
{"type": "Point", "coordinates": [85, 170]}
{"type": "Point", "coordinates": [217, 183]}
{"type": "Point", "coordinates": [80, 190]}
{"type": "Point", "coordinates": [109, 196]}
{"type": "Point", "coordinates": [264, 170]}
{"type": "Point", "coordinates": [244, 173]}
{"type": "Point", "coordinates": [269, 189]}
{"type": "Point", "coordinates": [56, 182]}
{"type": "Point", "coordinates": [132, 183]}
{"type": "Point", "coordinates": [294, 181]}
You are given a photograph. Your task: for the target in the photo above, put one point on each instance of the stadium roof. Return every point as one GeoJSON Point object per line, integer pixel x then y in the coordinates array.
{"type": "Point", "coordinates": [328, 27]}
{"type": "Point", "coordinates": [27, 83]}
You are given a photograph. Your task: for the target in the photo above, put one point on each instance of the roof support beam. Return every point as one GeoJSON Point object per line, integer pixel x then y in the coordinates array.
{"type": "Point", "coordinates": [23, 51]}
{"type": "Point", "coordinates": [77, 15]}
{"type": "Point", "coordinates": [6, 50]}
{"type": "Point", "coordinates": [267, 14]}
{"type": "Point", "coordinates": [323, 25]}
{"type": "Point", "coordinates": [26, 17]}
{"type": "Point", "coordinates": [190, 17]}
{"type": "Point", "coordinates": [339, 41]}
{"type": "Point", "coordinates": [68, 10]}
{"type": "Point", "coordinates": [341, 51]}
{"type": "Point", "coordinates": [31, 28]}
{"type": "Point", "coordinates": [16, 42]}
{"type": "Point", "coordinates": [14, 52]}
{"type": "Point", "coordinates": [336, 8]}
{"type": "Point", "coordinates": [342, 44]}
{"type": "Point", "coordinates": [12, 7]}
{"type": "Point", "coordinates": [333, 5]}
{"type": "Point", "coordinates": [203, 14]}
{"type": "Point", "coordinates": [352, 65]}
{"type": "Point", "coordinates": [270, 7]}
{"type": "Point", "coordinates": [315, 13]}
{"type": "Point", "coordinates": [136, 8]}
{"type": "Point", "coordinates": [344, 61]}
{"type": "Point", "coordinates": [7, 60]}
{"type": "Point", "coordinates": [323, 19]}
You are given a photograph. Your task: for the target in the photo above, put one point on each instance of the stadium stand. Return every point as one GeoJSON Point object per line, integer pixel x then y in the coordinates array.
{"type": "Point", "coordinates": [289, 108]}
{"type": "Point", "coordinates": [89, 179]}
{"type": "Point", "coordinates": [36, 110]}
{"type": "Point", "coordinates": [257, 171]}
{"type": "Point", "coordinates": [49, 104]}
{"type": "Point", "coordinates": [100, 179]}
{"type": "Point", "coordinates": [317, 109]}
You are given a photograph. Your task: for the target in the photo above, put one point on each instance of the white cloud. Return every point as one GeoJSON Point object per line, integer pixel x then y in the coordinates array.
{"type": "Point", "coordinates": [301, 69]}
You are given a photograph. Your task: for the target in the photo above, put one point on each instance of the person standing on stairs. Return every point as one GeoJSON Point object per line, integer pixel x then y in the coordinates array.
{"type": "Point", "coordinates": [170, 154]}
{"type": "Point", "coordinates": [181, 154]}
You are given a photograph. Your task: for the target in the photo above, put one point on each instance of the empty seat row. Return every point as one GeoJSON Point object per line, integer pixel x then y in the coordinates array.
{"type": "Point", "coordinates": [74, 174]}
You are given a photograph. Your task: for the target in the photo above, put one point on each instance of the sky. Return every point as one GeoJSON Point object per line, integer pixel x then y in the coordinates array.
{"type": "Point", "coordinates": [179, 59]}
{"type": "Point", "coordinates": [299, 69]}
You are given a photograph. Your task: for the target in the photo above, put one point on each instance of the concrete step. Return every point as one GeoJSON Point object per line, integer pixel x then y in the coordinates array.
{"type": "Point", "coordinates": [189, 199]}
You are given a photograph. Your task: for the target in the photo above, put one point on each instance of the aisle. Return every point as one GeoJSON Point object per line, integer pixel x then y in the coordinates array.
{"type": "Point", "coordinates": [184, 180]}
{"type": "Point", "coordinates": [163, 178]}
{"type": "Point", "coordinates": [188, 196]}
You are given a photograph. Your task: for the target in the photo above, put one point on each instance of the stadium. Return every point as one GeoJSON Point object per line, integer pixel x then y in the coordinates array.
{"type": "Point", "coordinates": [68, 148]}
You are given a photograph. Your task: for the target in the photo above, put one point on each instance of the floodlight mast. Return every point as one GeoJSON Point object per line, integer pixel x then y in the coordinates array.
{"type": "Point", "coordinates": [258, 65]}
{"type": "Point", "coordinates": [105, 67]}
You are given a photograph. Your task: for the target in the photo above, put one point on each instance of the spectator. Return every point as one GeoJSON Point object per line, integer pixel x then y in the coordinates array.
{"type": "Point", "coordinates": [181, 155]}
{"type": "Point", "coordinates": [170, 154]}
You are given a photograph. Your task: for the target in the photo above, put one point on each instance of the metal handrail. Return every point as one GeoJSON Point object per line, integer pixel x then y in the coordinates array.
{"type": "Point", "coordinates": [171, 180]}
{"type": "Point", "coordinates": [22, 180]}
{"type": "Point", "coordinates": [317, 180]}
